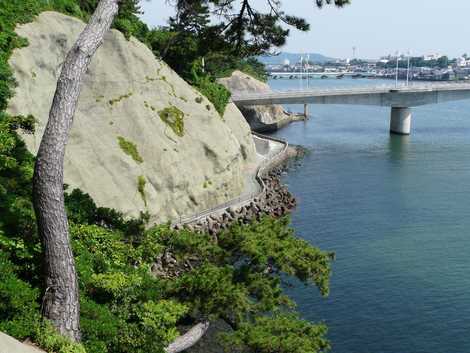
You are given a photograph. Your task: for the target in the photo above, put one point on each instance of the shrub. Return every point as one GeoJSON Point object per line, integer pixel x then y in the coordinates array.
{"type": "Point", "coordinates": [50, 340]}
{"type": "Point", "coordinates": [100, 327]}
{"type": "Point", "coordinates": [19, 308]}
{"type": "Point", "coordinates": [217, 94]}
{"type": "Point", "coordinates": [82, 209]}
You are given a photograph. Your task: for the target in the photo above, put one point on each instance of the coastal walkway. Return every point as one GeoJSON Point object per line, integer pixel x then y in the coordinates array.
{"type": "Point", "coordinates": [399, 98]}
{"type": "Point", "coordinates": [270, 152]}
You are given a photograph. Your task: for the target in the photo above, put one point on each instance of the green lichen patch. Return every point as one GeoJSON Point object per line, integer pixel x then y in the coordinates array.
{"type": "Point", "coordinates": [174, 118]}
{"type": "Point", "coordinates": [130, 149]}
{"type": "Point", "coordinates": [184, 99]}
{"type": "Point", "coordinates": [141, 188]}
{"type": "Point", "coordinates": [99, 98]}
{"type": "Point", "coordinates": [119, 99]}
{"type": "Point", "coordinates": [150, 79]}
{"type": "Point", "coordinates": [206, 184]}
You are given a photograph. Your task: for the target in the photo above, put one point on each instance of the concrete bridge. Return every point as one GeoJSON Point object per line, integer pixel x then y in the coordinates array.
{"type": "Point", "coordinates": [400, 98]}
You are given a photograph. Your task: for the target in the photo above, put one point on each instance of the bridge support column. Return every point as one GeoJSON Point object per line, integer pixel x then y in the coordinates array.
{"type": "Point", "coordinates": [400, 121]}
{"type": "Point", "coordinates": [306, 111]}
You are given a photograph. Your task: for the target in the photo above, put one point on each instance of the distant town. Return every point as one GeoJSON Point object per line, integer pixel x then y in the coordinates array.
{"type": "Point", "coordinates": [433, 67]}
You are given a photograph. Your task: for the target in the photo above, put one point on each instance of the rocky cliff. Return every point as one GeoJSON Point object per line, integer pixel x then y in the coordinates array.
{"type": "Point", "coordinates": [143, 139]}
{"type": "Point", "coordinates": [262, 118]}
{"type": "Point", "coordinates": [10, 345]}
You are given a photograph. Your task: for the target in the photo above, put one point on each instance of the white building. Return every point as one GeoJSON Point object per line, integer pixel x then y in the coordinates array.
{"type": "Point", "coordinates": [463, 62]}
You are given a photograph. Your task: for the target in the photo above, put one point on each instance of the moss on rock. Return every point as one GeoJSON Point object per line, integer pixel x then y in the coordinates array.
{"type": "Point", "coordinates": [141, 188]}
{"type": "Point", "coordinates": [130, 149]}
{"type": "Point", "coordinates": [174, 118]}
{"type": "Point", "coordinates": [120, 98]}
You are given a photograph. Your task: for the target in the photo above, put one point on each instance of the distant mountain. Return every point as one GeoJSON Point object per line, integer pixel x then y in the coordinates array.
{"type": "Point", "coordinates": [293, 58]}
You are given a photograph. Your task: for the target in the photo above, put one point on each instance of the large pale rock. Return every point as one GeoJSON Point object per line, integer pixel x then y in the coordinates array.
{"type": "Point", "coordinates": [123, 93]}
{"type": "Point", "coordinates": [262, 118]}
{"type": "Point", "coordinates": [10, 345]}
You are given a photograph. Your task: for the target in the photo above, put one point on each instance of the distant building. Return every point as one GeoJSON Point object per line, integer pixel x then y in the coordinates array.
{"type": "Point", "coordinates": [463, 62]}
{"type": "Point", "coordinates": [432, 57]}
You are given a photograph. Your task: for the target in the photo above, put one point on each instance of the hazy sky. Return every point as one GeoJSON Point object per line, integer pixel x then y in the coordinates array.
{"type": "Point", "coordinates": [375, 27]}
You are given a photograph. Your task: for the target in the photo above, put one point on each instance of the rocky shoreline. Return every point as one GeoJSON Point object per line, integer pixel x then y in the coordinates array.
{"type": "Point", "coordinates": [275, 201]}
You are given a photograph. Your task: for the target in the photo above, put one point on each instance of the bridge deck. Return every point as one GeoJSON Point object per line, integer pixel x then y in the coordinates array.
{"type": "Point", "coordinates": [420, 93]}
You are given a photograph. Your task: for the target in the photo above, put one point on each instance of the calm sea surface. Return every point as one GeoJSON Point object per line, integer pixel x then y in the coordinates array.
{"type": "Point", "coordinates": [396, 211]}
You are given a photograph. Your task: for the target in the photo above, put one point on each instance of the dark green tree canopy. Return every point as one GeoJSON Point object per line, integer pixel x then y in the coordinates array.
{"type": "Point", "coordinates": [251, 30]}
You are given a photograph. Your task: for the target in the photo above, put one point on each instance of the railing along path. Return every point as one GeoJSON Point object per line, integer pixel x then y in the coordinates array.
{"type": "Point", "coordinates": [243, 200]}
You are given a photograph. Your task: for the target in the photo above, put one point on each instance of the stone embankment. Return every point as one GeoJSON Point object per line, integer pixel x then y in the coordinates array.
{"type": "Point", "coordinates": [274, 199]}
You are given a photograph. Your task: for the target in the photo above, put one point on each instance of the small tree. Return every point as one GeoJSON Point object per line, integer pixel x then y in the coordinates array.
{"type": "Point", "coordinates": [61, 298]}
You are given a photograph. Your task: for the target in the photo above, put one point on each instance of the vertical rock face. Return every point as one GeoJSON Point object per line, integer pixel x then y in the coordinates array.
{"type": "Point", "coordinates": [261, 118]}
{"type": "Point", "coordinates": [143, 139]}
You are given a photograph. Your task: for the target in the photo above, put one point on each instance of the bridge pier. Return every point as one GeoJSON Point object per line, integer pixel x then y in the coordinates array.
{"type": "Point", "coordinates": [400, 121]}
{"type": "Point", "coordinates": [306, 111]}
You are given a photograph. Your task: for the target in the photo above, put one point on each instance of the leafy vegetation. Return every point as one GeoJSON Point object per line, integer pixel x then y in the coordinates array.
{"type": "Point", "coordinates": [138, 286]}
{"type": "Point", "coordinates": [130, 149]}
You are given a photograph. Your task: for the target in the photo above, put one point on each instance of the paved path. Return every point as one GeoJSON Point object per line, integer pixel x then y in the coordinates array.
{"type": "Point", "coordinates": [10, 345]}
{"type": "Point", "coordinates": [267, 152]}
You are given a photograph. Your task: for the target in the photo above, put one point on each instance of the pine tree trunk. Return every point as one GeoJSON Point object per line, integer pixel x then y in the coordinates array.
{"type": "Point", "coordinates": [61, 301]}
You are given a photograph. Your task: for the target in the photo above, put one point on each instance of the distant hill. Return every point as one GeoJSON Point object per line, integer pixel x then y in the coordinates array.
{"type": "Point", "coordinates": [293, 58]}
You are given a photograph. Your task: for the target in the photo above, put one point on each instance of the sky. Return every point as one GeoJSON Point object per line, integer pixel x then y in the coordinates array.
{"type": "Point", "coordinates": [375, 27]}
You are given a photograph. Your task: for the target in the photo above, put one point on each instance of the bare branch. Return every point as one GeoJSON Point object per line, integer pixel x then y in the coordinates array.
{"type": "Point", "coordinates": [189, 339]}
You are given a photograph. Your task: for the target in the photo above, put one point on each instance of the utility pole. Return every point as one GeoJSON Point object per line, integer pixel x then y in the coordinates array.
{"type": "Point", "coordinates": [408, 69]}
{"type": "Point", "coordinates": [396, 75]}
{"type": "Point", "coordinates": [308, 65]}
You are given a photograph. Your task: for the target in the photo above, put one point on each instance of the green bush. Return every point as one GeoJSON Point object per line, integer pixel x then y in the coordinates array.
{"type": "Point", "coordinates": [19, 308]}
{"type": "Point", "coordinates": [51, 341]}
{"type": "Point", "coordinates": [100, 327]}
{"type": "Point", "coordinates": [217, 94]}
{"type": "Point", "coordinates": [81, 209]}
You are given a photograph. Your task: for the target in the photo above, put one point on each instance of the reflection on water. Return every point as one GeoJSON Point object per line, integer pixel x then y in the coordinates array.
{"type": "Point", "coordinates": [395, 211]}
{"type": "Point", "coordinates": [398, 146]}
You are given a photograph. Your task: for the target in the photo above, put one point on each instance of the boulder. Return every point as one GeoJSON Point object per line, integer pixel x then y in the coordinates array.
{"type": "Point", "coordinates": [143, 139]}
{"type": "Point", "coordinates": [262, 118]}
